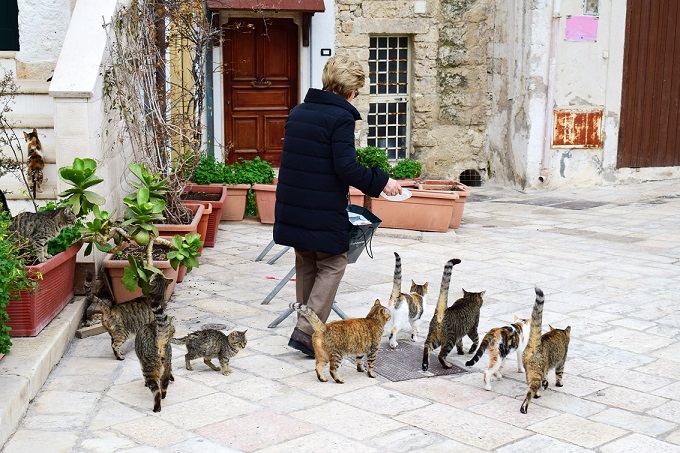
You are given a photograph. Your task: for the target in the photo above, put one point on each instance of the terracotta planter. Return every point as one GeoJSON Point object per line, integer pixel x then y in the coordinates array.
{"type": "Point", "coordinates": [29, 314]}
{"type": "Point", "coordinates": [204, 222]}
{"type": "Point", "coordinates": [217, 207]}
{"type": "Point", "coordinates": [265, 197]}
{"type": "Point", "coordinates": [459, 188]}
{"type": "Point", "coordinates": [171, 229]}
{"type": "Point", "coordinates": [424, 211]}
{"type": "Point", "coordinates": [356, 196]}
{"type": "Point", "coordinates": [116, 268]}
{"type": "Point", "coordinates": [235, 206]}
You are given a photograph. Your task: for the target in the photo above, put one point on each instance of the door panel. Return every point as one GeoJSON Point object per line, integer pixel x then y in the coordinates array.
{"type": "Point", "coordinates": [650, 98]}
{"type": "Point", "coordinates": [260, 67]}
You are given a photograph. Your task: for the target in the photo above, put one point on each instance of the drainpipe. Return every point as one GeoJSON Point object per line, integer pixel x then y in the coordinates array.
{"type": "Point", "coordinates": [209, 100]}
{"type": "Point", "coordinates": [547, 132]}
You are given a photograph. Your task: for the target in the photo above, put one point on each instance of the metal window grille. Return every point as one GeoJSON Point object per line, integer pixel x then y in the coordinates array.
{"type": "Point", "coordinates": [388, 116]}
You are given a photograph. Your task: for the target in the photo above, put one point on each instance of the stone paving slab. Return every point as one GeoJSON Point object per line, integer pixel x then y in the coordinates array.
{"type": "Point", "coordinates": [607, 258]}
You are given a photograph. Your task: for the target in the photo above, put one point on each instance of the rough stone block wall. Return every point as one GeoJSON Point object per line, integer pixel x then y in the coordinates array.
{"type": "Point", "coordinates": [450, 67]}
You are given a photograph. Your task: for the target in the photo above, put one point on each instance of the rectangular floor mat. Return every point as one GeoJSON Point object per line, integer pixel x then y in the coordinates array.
{"type": "Point", "coordinates": [405, 362]}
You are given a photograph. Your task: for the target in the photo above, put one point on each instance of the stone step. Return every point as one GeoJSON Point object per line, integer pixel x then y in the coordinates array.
{"type": "Point", "coordinates": [14, 188]}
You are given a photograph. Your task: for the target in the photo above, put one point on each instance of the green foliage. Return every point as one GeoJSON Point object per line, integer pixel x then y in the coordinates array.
{"type": "Point", "coordinates": [185, 251]}
{"type": "Point", "coordinates": [138, 274]}
{"type": "Point", "coordinates": [13, 278]}
{"type": "Point", "coordinates": [251, 204]}
{"type": "Point", "coordinates": [209, 171]}
{"type": "Point", "coordinates": [407, 169]}
{"type": "Point", "coordinates": [372, 156]}
{"type": "Point", "coordinates": [256, 171]}
{"type": "Point", "coordinates": [81, 175]}
{"type": "Point", "coordinates": [67, 236]}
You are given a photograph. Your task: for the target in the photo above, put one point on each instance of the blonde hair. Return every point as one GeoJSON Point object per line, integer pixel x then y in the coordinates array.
{"type": "Point", "coordinates": [342, 76]}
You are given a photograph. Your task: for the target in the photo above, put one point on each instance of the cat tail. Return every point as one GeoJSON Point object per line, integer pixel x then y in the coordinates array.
{"type": "Point", "coordinates": [536, 320]}
{"type": "Point", "coordinates": [182, 340]}
{"type": "Point", "coordinates": [480, 352]}
{"type": "Point", "coordinates": [308, 313]}
{"type": "Point", "coordinates": [87, 286]}
{"type": "Point", "coordinates": [444, 289]}
{"type": "Point", "coordinates": [396, 281]}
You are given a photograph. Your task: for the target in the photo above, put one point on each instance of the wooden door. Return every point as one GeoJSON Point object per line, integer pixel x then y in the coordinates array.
{"type": "Point", "coordinates": [649, 131]}
{"type": "Point", "coordinates": [261, 86]}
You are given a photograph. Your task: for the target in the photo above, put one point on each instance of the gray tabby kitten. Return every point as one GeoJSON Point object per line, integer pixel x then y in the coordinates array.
{"type": "Point", "coordinates": [41, 227]}
{"type": "Point", "coordinates": [450, 325]}
{"type": "Point", "coordinates": [210, 343]}
{"type": "Point", "coordinates": [121, 321]}
{"type": "Point", "coordinates": [152, 343]}
{"type": "Point", "coordinates": [543, 353]}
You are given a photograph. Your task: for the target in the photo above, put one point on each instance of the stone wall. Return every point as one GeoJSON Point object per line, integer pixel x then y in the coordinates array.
{"type": "Point", "coordinates": [450, 67]}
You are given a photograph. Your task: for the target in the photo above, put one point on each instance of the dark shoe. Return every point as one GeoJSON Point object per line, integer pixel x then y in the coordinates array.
{"type": "Point", "coordinates": [302, 342]}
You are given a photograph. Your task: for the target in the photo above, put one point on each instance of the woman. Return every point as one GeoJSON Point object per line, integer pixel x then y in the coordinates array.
{"type": "Point", "coordinates": [318, 164]}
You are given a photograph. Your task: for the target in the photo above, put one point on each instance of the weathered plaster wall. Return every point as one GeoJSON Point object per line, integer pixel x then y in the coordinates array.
{"type": "Point", "coordinates": [42, 28]}
{"type": "Point", "coordinates": [449, 74]}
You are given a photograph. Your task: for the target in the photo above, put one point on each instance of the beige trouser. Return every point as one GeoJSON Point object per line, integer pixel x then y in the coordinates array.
{"type": "Point", "coordinates": [318, 276]}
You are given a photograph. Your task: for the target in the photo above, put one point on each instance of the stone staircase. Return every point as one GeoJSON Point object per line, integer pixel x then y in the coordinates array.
{"type": "Point", "coordinates": [32, 108]}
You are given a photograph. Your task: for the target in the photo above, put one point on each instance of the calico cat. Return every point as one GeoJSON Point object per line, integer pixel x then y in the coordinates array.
{"type": "Point", "coordinates": [124, 320]}
{"type": "Point", "coordinates": [406, 308]}
{"type": "Point", "coordinates": [210, 343]}
{"type": "Point", "coordinates": [500, 342]}
{"type": "Point", "coordinates": [40, 227]}
{"type": "Point", "coordinates": [152, 343]}
{"type": "Point", "coordinates": [36, 162]}
{"type": "Point", "coordinates": [338, 339]}
{"type": "Point", "coordinates": [543, 352]}
{"type": "Point", "coordinates": [449, 325]}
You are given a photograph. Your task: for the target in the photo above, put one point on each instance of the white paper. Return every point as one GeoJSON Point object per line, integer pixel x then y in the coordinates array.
{"type": "Point", "coordinates": [405, 195]}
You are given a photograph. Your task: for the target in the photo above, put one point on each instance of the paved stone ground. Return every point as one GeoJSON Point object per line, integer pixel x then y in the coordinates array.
{"type": "Point", "coordinates": [607, 258]}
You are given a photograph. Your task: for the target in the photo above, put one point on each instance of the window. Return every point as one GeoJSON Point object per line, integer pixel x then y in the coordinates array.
{"type": "Point", "coordinates": [388, 116]}
{"type": "Point", "coordinates": [9, 26]}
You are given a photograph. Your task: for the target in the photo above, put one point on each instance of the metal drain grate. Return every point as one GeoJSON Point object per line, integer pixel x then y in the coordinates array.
{"type": "Point", "coordinates": [562, 203]}
{"type": "Point", "coordinates": [405, 362]}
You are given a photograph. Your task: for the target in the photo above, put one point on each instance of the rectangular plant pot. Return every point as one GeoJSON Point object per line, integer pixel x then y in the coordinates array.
{"type": "Point", "coordinates": [459, 188]}
{"type": "Point", "coordinates": [116, 268]}
{"type": "Point", "coordinates": [424, 211]}
{"type": "Point", "coordinates": [265, 197]}
{"type": "Point", "coordinates": [171, 229]}
{"type": "Point", "coordinates": [29, 314]}
{"type": "Point", "coordinates": [217, 207]}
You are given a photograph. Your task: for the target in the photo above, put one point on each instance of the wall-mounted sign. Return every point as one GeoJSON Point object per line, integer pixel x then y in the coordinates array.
{"type": "Point", "coordinates": [325, 52]}
{"type": "Point", "coordinates": [581, 28]}
{"type": "Point", "coordinates": [577, 128]}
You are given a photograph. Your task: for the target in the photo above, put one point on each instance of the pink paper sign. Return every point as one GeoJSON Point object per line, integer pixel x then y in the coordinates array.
{"type": "Point", "coordinates": [581, 28]}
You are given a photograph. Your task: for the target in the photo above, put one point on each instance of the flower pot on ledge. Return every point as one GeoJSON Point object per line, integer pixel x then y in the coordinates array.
{"type": "Point", "coordinates": [425, 211]}
{"type": "Point", "coordinates": [29, 314]}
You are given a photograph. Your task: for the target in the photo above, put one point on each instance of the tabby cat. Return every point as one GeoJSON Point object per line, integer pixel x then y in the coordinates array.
{"type": "Point", "coordinates": [500, 342]}
{"type": "Point", "coordinates": [152, 343]}
{"type": "Point", "coordinates": [450, 325]}
{"type": "Point", "coordinates": [40, 227]}
{"type": "Point", "coordinates": [406, 308]}
{"type": "Point", "coordinates": [124, 320]}
{"type": "Point", "coordinates": [543, 352]}
{"type": "Point", "coordinates": [210, 343]}
{"type": "Point", "coordinates": [36, 162]}
{"type": "Point", "coordinates": [338, 339]}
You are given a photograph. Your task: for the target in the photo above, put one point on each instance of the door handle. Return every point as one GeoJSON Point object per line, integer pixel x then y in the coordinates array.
{"type": "Point", "coordinates": [260, 84]}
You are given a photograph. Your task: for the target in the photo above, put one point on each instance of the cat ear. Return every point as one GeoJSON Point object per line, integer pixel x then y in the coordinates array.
{"type": "Point", "coordinates": [568, 330]}
{"type": "Point", "coordinates": [377, 302]}
{"type": "Point", "coordinates": [482, 293]}
{"type": "Point", "coordinates": [26, 136]}
{"type": "Point", "coordinates": [35, 131]}
{"type": "Point", "coordinates": [516, 317]}
{"type": "Point", "coordinates": [551, 327]}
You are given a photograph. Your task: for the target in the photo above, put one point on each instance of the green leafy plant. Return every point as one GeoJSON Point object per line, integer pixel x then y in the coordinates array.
{"type": "Point", "coordinates": [407, 169]}
{"type": "Point", "coordinates": [372, 156]}
{"type": "Point", "coordinates": [209, 171]}
{"type": "Point", "coordinates": [81, 175]}
{"type": "Point", "coordinates": [13, 277]}
{"type": "Point", "coordinates": [67, 236]}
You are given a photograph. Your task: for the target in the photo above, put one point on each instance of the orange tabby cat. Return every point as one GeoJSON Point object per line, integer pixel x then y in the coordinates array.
{"type": "Point", "coordinates": [338, 339]}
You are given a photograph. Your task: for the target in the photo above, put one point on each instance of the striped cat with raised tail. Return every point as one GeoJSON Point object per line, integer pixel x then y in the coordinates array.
{"type": "Point", "coordinates": [337, 339]}
{"type": "Point", "coordinates": [406, 308]}
{"type": "Point", "coordinates": [500, 342]}
{"type": "Point", "coordinates": [152, 343]}
{"type": "Point", "coordinates": [543, 353]}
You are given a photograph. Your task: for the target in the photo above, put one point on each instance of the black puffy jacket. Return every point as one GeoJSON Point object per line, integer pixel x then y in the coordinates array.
{"type": "Point", "coordinates": [318, 164]}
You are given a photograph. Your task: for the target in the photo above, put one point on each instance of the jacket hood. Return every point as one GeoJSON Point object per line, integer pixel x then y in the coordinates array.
{"type": "Point", "coordinates": [316, 96]}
